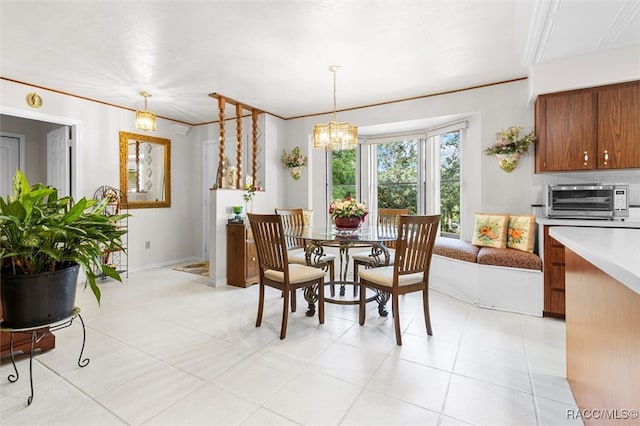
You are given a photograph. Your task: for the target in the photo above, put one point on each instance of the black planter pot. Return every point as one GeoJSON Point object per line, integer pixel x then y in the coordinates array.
{"type": "Point", "coordinates": [32, 300]}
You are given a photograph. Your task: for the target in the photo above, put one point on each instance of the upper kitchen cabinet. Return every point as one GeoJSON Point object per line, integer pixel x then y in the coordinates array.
{"type": "Point", "coordinates": [619, 126]}
{"type": "Point", "coordinates": [589, 129]}
{"type": "Point", "coordinates": [566, 127]}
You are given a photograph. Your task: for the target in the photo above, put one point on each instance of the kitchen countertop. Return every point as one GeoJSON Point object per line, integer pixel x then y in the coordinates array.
{"type": "Point", "coordinates": [616, 251]}
{"type": "Point", "coordinates": [599, 223]}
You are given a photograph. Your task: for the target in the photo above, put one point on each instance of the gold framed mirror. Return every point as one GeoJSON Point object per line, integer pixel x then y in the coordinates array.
{"type": "Point", "coordinates": [145, 170]}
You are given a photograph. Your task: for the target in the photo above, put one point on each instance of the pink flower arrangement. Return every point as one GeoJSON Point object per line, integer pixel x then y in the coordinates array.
{"type": "Point", "coordinates": [295, 158]}
{"type": "Point", "coordinates": [510, 142]}
{"type": "Point", "coordinates": [348, 207]}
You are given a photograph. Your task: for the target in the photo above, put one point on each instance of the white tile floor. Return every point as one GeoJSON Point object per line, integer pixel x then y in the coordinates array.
{"type": "Point", "coordinates": [166, 349]}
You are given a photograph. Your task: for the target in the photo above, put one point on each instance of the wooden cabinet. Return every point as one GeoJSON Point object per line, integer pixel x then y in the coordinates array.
{"type": "Point", "coordinates": [554, 280]}
{"type": "Point", "coordinates": [602, 329]}
{"type": "Point", "coordinates": [566, 127]}
{"type": "Point", "coordinates": [589, 129]}
{"type": "Point", "coordinates": [242, 257]}
{"type": "Point", "coordinates": [619, 126]}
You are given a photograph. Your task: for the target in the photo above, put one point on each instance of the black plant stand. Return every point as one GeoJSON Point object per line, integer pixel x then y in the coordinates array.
{"type": "Point", "coordinates": [36, 335]}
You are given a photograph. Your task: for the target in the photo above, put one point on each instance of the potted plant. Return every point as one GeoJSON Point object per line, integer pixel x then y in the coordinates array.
{"type": "Point", "coordinates": [347, 214]}
{"type": "Point", "coordinates": [294, 161]}
{"type": "Point", "coordinates": [44, 240]}
{"type": "Point", "coordinates": [510, 146]}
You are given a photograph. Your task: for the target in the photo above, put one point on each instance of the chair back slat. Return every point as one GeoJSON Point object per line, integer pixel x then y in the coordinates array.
{"type": "Point", "coordinates": [414, 246]}
{"type": "Point", "coordinates": [268, 234]}
{"type": "Point", "coordinates": [291, 219]}
{"type": "Point", "coordinates": [388, 220]}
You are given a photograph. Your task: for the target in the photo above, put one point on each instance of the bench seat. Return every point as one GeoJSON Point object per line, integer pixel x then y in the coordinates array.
{"type": "Point", "coordinates": [456, 249]}
{"type": "Point", "coordinates": [503, 279]}
{"type": "Point", "coordinates": [509, 257]}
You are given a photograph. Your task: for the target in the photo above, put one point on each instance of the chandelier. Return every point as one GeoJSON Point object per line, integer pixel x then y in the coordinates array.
{"type": "Point", "coordinates": [334, 135]}
{"type": "Point", "coordinates": [145, 120]}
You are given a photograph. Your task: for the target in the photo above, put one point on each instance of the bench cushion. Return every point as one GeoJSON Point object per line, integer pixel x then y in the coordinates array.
{"type": "Point", "coordinates": [456, 249]}
{"type": "Point", "coordinates": [509, 257]}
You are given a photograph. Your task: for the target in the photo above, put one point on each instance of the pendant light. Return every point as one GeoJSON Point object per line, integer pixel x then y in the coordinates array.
{"type": "Point", "coordinates": [145, 120]}
{"type": "Point", "coordinates": [334, 135]}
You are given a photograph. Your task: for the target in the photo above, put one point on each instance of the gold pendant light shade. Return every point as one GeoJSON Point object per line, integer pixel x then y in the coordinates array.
{"type": "Point", "coordinates": [145, 120]}
{"type": "Point", "coordinates": [333, 135]}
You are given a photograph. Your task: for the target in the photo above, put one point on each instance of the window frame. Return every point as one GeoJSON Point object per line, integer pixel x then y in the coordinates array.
{"type": "Point", "coordinates": [428, 160]}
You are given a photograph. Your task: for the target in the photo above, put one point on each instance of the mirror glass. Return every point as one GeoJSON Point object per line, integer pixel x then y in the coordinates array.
{"type": "Point", "coordinates": [145, 170]}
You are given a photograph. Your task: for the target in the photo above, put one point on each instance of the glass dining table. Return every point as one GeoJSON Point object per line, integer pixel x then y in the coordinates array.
{"type": "Point", "coordinates": [317, 239]}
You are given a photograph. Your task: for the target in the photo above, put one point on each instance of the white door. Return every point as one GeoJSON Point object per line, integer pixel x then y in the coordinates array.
{"type": "Point", "coordinates": [11, 159]}
{"type": "Point", "coordinates": [59, 160]}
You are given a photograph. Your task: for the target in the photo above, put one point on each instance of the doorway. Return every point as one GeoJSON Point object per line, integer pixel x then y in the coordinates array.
{"type": "Point", "coordinates": [48, 154]}
{"type": "Point", "coordinates": [11, 158]}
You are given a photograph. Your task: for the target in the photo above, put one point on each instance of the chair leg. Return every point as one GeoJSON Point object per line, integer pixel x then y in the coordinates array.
{"type": "Point", "coordinates": [285, 315]}
{"type": "Point", "coordinates": [427, 316]}
{"type": "Point", "coordinates": [396, 317]}
{"type": "Point", "coordinates": [362, 306]}
{"type": "Point", "coordinates": [332, 271]}
{"type": "Point", "coordinates": [293, 300]}
{"type": "Point", "coordinates": [260, 305]}
{"type": "Point", "coordinates": [355, 278]}
{"type": "Point", "coordinates": [321, 301]}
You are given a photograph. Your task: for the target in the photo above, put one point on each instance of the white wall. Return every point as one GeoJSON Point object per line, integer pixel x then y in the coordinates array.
{"type": "Point", "coordinates": [599, 69]}
{"type": "Point", "coordinates": [168, 229]}
{"type": "Point", "coordinates": [486, 187]}
{"type": "Point", "coordinates": [176, 233]}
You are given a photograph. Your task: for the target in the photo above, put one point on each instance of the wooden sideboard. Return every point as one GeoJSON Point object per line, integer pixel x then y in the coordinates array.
{"type": "Point", "coordinates": [242, 256]}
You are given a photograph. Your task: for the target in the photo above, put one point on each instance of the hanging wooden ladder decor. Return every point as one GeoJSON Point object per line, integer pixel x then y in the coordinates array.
{"type": "Point", "coordinates": [239, 106]}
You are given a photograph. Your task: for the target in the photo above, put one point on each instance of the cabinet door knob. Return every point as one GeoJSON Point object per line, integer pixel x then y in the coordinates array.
{"type": "Point", "coordinates": [253, 259]}
{"type": "Point", "coordinates": [606, 157]}
{"type": "Point", "coordinates": [586, 158]}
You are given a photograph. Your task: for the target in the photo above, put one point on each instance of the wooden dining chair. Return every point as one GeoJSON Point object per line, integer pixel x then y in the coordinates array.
{"type": "Point", "coordinates": [276, 271]}
{"type": "Point", "coordinates": [409, 273]}
{"type": "Point", "coordinates": [292, 219]}
{"type": "Point", "coordinates": [388, 219]}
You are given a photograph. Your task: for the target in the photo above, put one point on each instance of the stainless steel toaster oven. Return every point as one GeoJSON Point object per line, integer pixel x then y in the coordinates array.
{"type": "Point", "coordinates": [590, 201]}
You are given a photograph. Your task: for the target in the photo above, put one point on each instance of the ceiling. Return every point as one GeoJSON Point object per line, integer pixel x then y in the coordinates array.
{"type": "Point", "coordinates": [274, 55]}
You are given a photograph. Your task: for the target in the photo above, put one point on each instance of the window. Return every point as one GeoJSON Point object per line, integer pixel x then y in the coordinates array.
{"type": "Point", "coordinates": [397, 175]}
{"type": "Point", "coordinates": [416, 171]}
{"type": "Point", "coordinates": [343, 166]}
{"type": "Point", "coordinates": [450, 184]}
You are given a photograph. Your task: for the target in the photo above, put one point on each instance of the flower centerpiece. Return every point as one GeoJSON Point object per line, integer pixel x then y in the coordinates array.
{"type": "Point", "coordinates": [294, 161]}
{"type": "Point", "coordinates": [510, 146]}
{"type": "Point", "coordinates": [347, 214]}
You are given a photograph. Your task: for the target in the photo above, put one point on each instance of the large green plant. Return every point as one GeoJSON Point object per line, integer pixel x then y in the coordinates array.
{"type": "Point", "coordinates": [40, 232]}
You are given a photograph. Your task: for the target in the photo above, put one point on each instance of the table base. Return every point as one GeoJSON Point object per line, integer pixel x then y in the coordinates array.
{"type": "Point", "coordinates": [311, 296]}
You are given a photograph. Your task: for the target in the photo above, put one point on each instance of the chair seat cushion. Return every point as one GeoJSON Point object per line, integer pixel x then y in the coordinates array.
{"type": "Point", "coordinates": [297, 256]}
{"type": "Point", "coordinates": [384, 276]}
{"type": "Point", "coordinates": [297, 274]}
{"type": "Point", "coordinates": [365, 256]}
